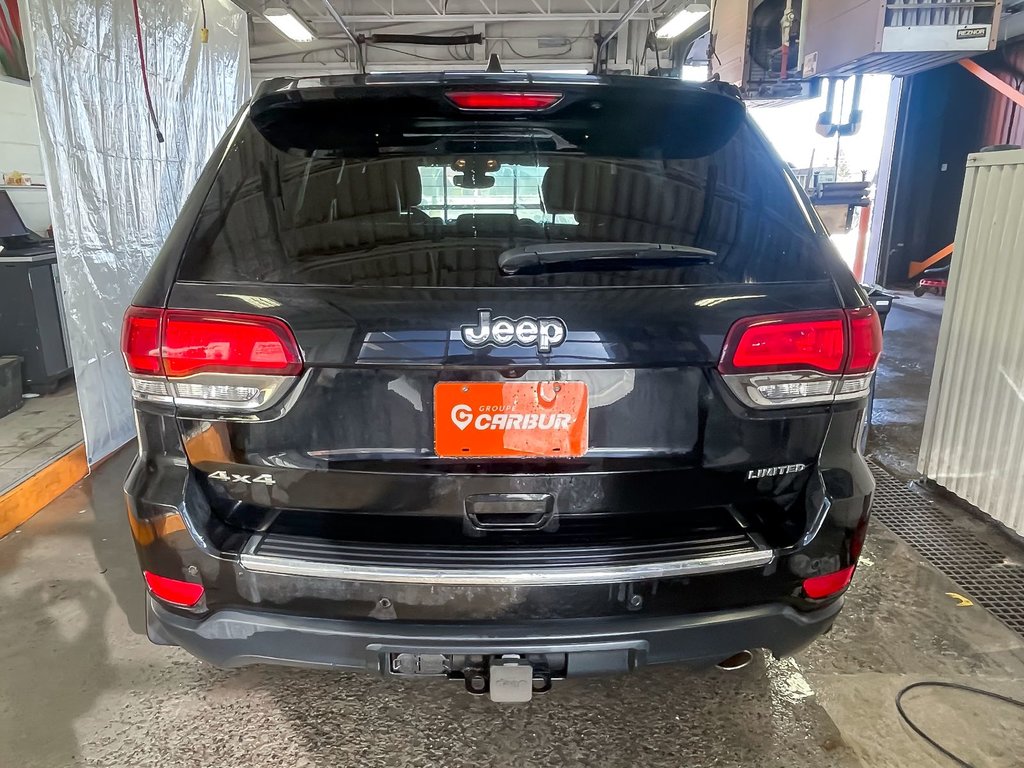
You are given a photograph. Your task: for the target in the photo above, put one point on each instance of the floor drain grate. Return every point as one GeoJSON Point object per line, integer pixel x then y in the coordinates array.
{"type": "Point", "coordinates": [981, 571]}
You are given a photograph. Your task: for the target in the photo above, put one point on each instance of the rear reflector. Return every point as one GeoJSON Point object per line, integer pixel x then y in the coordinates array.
{"type": "Point", "coordinates": [174, 591]}
{"type": "Point", "coordinates": [503, 100]}
{"type": "Point", "coordinates": [818, 587]}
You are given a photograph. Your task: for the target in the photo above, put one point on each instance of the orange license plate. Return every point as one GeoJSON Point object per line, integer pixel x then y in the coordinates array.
{"type": "Point", "coordinates": [506, 419]}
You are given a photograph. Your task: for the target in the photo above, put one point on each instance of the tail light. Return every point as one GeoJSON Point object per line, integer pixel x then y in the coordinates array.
{"type": "Point", "coordinates": [503, 101]}
{"type": "Point", "coordinates": [227, 360]}
{"type": "Point", "coordinates": [865, 340]}
{"type": "Point", "coordinates": [829, 584]}
{"type": "Point", "coordinates": [174, 591]}
{"type": "Point", "coordinates": [802, 358]}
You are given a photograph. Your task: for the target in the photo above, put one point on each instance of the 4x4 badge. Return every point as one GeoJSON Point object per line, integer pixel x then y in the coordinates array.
{"type": "Point", "coordinates": [226, 477]}
{"type": "Point", "coordinates": [544, 332]}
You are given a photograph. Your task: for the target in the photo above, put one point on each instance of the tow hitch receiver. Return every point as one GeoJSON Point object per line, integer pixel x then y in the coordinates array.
{"type": "Point", "coordinates": [511, 680]}
{"type": "Point", "coordinates": [508, 678]}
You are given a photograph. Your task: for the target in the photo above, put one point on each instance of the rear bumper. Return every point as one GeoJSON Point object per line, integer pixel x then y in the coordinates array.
{"type": "Point", "coordinates": [234, 638]}
{"type": "Point", "coordinates": [612, 619]}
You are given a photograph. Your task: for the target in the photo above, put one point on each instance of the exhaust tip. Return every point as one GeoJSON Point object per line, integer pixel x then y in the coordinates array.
{"type": "Point", "coordinates": [736, 662]}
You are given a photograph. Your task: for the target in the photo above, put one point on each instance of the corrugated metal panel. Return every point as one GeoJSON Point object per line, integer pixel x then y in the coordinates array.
{"type": "Point", "coordinates": [1004, 122]}
{"type": "Point", "coordinates": [903, 64]}
{"type": "Point", "coordinates": [973, 443]}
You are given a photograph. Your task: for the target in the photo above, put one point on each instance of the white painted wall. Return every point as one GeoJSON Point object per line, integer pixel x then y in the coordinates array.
{"type": "Point", "coordinates": [19, 151]}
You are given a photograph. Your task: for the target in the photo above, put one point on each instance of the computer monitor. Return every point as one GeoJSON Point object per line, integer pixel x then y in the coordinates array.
{"type": "Point", "coordinates": [11, 224]}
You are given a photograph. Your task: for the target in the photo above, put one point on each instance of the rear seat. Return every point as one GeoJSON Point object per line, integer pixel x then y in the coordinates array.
{"type": "Point", "coordinates": [641, 204]}
{"type": "Point", "coordinates": [497, 225]}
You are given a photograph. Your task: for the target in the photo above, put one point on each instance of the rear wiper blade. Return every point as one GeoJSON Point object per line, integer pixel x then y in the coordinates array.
{"type": "Point", "coordinates": [598, 255]}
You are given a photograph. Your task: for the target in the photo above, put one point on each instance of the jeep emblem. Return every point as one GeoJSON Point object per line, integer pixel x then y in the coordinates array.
{"type": "Point", "coordinates": [544, 332]}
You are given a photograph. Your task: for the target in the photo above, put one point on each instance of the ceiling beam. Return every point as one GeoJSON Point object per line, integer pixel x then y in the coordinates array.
{"type": "Point", "coordinates": [470, 18]}
{"type": "Point", "coordinates": [336, 17]}
{"type": "Point", "coordinates": [628, 14]}
{"type": "Point", "coordinates": [261, 71]}
{"type": "Point", "coordinates": [279, 50]}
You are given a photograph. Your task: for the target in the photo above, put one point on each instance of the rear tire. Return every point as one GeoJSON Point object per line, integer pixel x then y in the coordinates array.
{"type": "Point", "coordinates": [919, 291]}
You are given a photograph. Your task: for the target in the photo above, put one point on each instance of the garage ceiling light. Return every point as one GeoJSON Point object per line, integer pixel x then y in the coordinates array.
{"type": "Point", "coordinates": [289, 23]}
{"type": "Point", "coordinates": [683, 20]}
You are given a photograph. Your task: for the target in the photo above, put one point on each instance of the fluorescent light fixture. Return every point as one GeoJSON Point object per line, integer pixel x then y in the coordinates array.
{"type": "Point", "coordinates": [683, 20]}
{"type": "Point", "coordinates": [289, 23]}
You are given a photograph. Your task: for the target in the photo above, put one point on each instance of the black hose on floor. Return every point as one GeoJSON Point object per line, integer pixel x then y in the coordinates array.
{"type": "Point", "coordinates": [956, 687]}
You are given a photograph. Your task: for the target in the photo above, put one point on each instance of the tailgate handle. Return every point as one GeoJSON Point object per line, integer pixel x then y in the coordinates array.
{"type": "Point", "coordinates": [510, 511]}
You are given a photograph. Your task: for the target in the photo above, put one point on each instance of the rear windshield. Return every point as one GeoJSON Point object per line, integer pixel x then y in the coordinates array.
{"type": "Point", "coordinates": [313, 194]}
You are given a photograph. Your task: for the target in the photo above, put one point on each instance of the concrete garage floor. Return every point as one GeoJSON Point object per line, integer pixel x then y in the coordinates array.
{"type": "Point", "coordinates": [80, 686]}
{"type": "Point", "coordinates": [903, 379]}
{"type": "Point", "coordinates": [34, 435]}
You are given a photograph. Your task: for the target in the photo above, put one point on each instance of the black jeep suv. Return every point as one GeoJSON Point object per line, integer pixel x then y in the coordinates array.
{"type": "Point", "coordinates": [499, 377]}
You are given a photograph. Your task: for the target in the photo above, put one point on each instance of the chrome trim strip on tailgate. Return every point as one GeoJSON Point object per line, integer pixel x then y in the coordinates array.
{"type": "Point", "coordinates": [508, 577]}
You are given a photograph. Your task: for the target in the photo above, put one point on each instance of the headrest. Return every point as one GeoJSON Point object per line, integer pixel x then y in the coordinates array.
{"type": "Point", "coordinates": [379, 186]}
{"type": "Point", "coordinates": [641, 192]}
{"type": "Point", "coordinates": [560, 187]}
{"type": "Point", "coordinates": [364, 188]}
{"type": "Point", "coordinates": [591, 187]}
{"type": "Point", "coordinates": [489, 222]}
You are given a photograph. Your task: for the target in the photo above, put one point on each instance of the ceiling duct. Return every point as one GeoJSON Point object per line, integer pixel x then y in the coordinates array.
{"type": "Point", "coordinates": [441, 40]}
{"type": "Point", "coordinates": [766, 38]}
{"type": "Point", "coordinates": [757, 45]}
